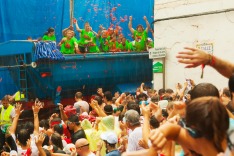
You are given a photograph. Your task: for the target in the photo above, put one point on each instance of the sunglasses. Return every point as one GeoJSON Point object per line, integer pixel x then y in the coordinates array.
{"type": "Point", "coordinates": [82, 146]}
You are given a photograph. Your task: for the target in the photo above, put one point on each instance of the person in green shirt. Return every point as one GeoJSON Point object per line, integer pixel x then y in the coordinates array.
{"type": "Point", "coordinates": [87, 42]}
{"type": "Point", "coordinates": [140, 35]}
{"type": "Point", "coordinates": [49, 35]}
{"type": "Point", "coordinates": [69, 43]}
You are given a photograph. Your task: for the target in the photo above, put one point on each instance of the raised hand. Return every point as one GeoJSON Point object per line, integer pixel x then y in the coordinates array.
{"type": "Point", "coordinates": [193, 57]}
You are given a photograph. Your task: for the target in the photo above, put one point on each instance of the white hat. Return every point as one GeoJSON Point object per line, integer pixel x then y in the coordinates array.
{"type": "Point", "coordinates": [68, 148]}
{"type": "Point", "coordinates": [110, 137]}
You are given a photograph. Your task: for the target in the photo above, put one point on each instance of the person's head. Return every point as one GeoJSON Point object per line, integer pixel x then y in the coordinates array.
{"type": "Point", "coordinates": [87, 26]}
{"type": "Point", "coordinates": [108, 109]}
{"type": "Point", "coordinates": [133, 106]}
{"type": "Point", "coordinates": [5, 101]}
{"type": "Point", "coordinates": [140, 28]}
{"type": "Point", "coordinates": [98, 99]}
{"type": "Point", "coordinates": [161, 92]}
{"type": "Point", "coordinates": [107, 96]}
{"type": "Point", "coordinates": [82, 147]}
{"type": "Point", "coordinates": [209, 118]}
{"type": "Point", "coordinates": [142, 97]}
{"type": "Point", "coordinates": [56, 140]}
{"type": "Point", "coordinates": [110, 138]}
{"type": "Point", "coordinates": [69, 34]}
{"type": "Point", "coordinates": [23, 136]}
{"type": "Point", "coordinates": [55, 121]}
{"type": "Point", "coordinates": [44, 124]}
{"type": "Point", "coordinates": [73, 121]}
{"type": "Point", "coordinates": [58, 128]}
{"type": "Point", "coordinates": [153, 122]}
{"type": "Point", "coordinates": [29, 126]}
{"type": "Point", "coordinates": [132, 118]}
{"type": "Point", "coordinates": [78, 96]}
{"type": "Point", "coordinates": [50, 31]}
{"type": "Point", "coordinates": [204, 89]}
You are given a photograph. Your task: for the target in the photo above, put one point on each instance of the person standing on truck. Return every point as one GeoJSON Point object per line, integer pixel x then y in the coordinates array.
{"type": "Point", "coordinates": [49, 35]}
{"type": "Point", "coordinates": [6, 117]}
{"type": "Point", "coordinates": [69, 43]}
{"type": "Point", "coordinates": [87, 42]}
{"type": "Point", "coordinates": [140, 34]}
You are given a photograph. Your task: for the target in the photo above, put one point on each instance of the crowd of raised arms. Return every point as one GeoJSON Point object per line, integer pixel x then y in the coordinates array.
{"type": "Point", "coordinates": [105, 40]}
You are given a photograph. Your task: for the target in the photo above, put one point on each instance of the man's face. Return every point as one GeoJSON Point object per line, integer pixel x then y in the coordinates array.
{"type": "Point", "coordinates": [139, 28]}
{"type": "Point", "coordinates": [70, 125]}
{"type": "Point", "coordinates": [5, 103]}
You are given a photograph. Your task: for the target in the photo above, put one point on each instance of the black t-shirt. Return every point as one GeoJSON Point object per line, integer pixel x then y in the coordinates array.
{"type": "Point", "coordinates": [77, 135]}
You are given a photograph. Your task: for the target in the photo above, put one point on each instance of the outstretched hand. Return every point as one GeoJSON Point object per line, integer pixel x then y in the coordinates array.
{"type": "Point", "coordinates": [193, 57]}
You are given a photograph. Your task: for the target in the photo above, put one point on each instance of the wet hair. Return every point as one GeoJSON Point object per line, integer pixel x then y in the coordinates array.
{"type": "Point", "coordinates": [59, 129]}
{"type": "Point", "coordinates": [134, 106]}
{"type": "Point", "coordinates": [22, 136]}
{"type": "Point", "coordinates": [98, 99]}
{"type": "Point", "coordinates": [169, 91]}
{"type": "Point", "coordinates": [154, 122]}
{"type": "Point", "coordinates": [208, 116]}
{"type": "Point", "coordinates": [161, 91]}
{"type": "Point", "coordinates": [57, 140]}
{"type": "Point", "coordinates": [142, 95]}
{"type": "Point", "coordinates": [108, 95]}
{"type": "Point", "coordinates": [44, 123]}
{"type": "Point", "coordinates": [204, 89]}
{"type": "Point", "coordinates": [108, 109]}
{"type": "Point", "coordinates": [29, 126]}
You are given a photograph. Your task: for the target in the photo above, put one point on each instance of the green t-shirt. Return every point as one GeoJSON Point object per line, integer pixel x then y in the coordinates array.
{"type": "Point", "coordinates": [104, 44]}
{"type": "Point", "coordinates": [123, 47]}
{"type": "Point", "coordinates": [85, 37]}
{"type": "Point", "coordinates": [140, 40]}
{"type": "Point", "coordinates": [68, 47]}
{"type": "Point", "coordinates": [48, 38]}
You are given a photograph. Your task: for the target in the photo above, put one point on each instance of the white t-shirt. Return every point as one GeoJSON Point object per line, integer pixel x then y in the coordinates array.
{"type": "Point", "coordinates": [133, 140]}
{"type": "Point", "coordinates": [82, 104]}
{"type": "Point", "coordinates": [21, 152]}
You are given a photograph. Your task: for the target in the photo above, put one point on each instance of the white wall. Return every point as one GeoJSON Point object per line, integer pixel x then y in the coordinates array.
{"type": "Point", "coordinates": [178, 33]}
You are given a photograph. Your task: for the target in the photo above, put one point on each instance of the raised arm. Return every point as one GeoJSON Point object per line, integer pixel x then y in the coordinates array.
{"type": "Point", "coordinates": [147, 24]}
{"type": "Point", "coordinates": [36, 108]}
{"type": "Point", "coordinates": [39, 141]}
{"type": "Point", "coordinates": [146, 125]}
{"type": "Point", "coordinates": [77, 26]}
{"type": "Point", "coordinates": [130, 25]}
{"type": "Point", "coordinates": [195, 57]}
{"type": "Point", "coordinates": [63, 115]}
{"type": "Point", "coordinates": [16, 118]}
{"type": "Point", "coordinates": [97, 108]}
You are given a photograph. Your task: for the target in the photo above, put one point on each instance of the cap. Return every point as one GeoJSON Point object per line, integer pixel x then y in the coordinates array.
{"type": "Point", "coordinates": [110, 137]}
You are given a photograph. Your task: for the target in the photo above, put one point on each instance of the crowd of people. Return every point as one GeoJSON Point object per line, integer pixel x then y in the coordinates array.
{"type": "Point", "coordinates": [105, 40]}
{"type": "Point", "coordinates": [198, 117]}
